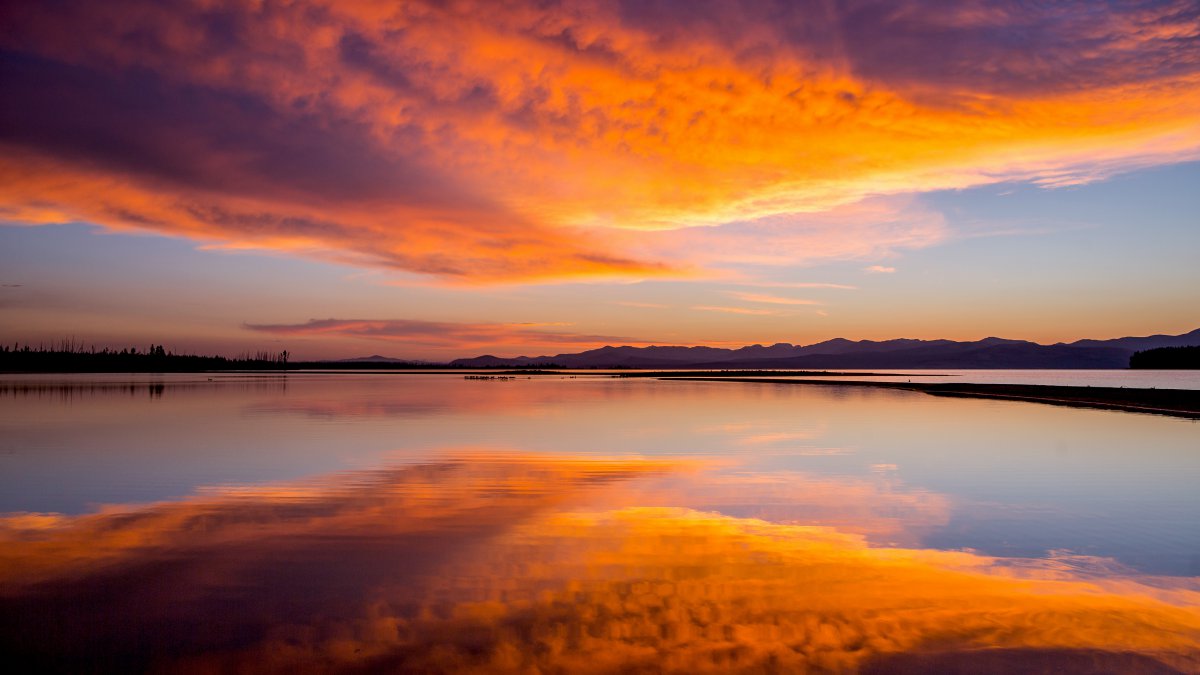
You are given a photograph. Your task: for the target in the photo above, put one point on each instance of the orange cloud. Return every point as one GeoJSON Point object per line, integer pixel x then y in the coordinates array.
{"type": "Point", "coordinates": [491, 141]}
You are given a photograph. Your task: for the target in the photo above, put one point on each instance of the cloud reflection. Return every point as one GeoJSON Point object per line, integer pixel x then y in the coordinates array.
{"type": "Point", "coordinates": [515, 564]}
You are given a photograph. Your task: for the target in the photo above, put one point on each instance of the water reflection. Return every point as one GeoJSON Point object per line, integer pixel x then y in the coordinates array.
{"type": "Point", "coordinates": [882, 509]}
{"type": "Point", "coordinates": [518, 562]}
{"type": "Point", "coordinates": [902, 469]}
{"type": "Point", "coordinates": [71, 391]}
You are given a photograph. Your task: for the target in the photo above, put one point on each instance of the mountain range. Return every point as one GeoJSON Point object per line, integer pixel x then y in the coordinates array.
{"type": "Point", "coordinates": [989, 352]}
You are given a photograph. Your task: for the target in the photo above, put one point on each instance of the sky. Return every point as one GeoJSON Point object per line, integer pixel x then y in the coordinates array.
{"type": "Point", "coordinates": [430, 180]}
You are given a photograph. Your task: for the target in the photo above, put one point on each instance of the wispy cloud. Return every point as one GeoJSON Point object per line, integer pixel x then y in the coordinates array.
{"type": "Point", "coordinates": [738, 310]}
{"type": "Point", "coordinates": [771, 299]}
{"type": "Point", "coordinates": [442, 333]}
{"type": "Point", "coordinates": [643, 305]}
{"type": "Point", "coordinates": [879, 269]}
{"type": "Point", "coordinates": [796, 284]}
{"type": "Point", "coordinates": [774, 437]}
{"type": "Point", "coordinates": [867, 229]}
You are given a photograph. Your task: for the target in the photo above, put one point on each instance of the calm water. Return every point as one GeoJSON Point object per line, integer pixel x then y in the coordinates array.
{"type": "Point", "coordinates": [426, 522]}
{"type": "Point", "coordinates": [1139, 379]}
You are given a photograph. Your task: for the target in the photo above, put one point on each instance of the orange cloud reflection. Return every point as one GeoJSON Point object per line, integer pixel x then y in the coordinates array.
{"type": "Point", "coordinates": [499, 564]}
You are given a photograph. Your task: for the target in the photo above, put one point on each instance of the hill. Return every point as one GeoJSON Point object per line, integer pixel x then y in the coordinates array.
{"type": "Point", "coordinates": [992, 352]}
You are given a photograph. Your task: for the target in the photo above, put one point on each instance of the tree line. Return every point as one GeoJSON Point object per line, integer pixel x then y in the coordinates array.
{"type": "Point", "coordinates": [70, 356]}
{"type": "Point", "coordinates": [1167, 358]}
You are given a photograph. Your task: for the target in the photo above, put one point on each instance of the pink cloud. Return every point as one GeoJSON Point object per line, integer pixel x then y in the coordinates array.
{"type": "Point", "coordinates": [738, 310]}
{"type": "Point", "coordinates": [771, 299]}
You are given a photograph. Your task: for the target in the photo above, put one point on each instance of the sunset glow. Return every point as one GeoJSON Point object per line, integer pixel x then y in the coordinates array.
{"type": "Point", "coordinates": [600, 336]}
{"type": "Point", "coordinates": [481, 145]}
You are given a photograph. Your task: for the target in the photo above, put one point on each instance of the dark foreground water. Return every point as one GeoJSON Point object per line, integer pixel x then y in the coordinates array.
{"type": "Point", "coordinates": [428, 523]}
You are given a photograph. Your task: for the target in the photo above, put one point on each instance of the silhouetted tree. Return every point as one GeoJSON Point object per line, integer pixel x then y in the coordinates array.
{"type": "Point", "coordinates": [1167, 358]}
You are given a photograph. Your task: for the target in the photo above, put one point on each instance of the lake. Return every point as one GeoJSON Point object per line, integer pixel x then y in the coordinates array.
{"type": "Point", "coordinates": [418, 522]}
{"type": "Point", "coordinates": [1141, 379]}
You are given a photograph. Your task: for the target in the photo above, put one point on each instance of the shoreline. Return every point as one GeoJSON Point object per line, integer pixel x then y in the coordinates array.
{"type": "Point", "coordinates": [666, 374]}
{"type": "Point", "coordinates": [1183, 403]}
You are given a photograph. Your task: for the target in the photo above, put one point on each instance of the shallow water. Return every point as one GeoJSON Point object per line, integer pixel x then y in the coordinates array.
{"type": "Point", "coordinates": [383, 522]}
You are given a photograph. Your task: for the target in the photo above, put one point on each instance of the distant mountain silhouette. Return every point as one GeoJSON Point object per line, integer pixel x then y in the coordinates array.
{"type": "Point", "coordinates": [375, 358]}
{"type": "Point", "coordinates": [989, 352]}
{"type": "Point", "coordinates": [1142, 343]}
